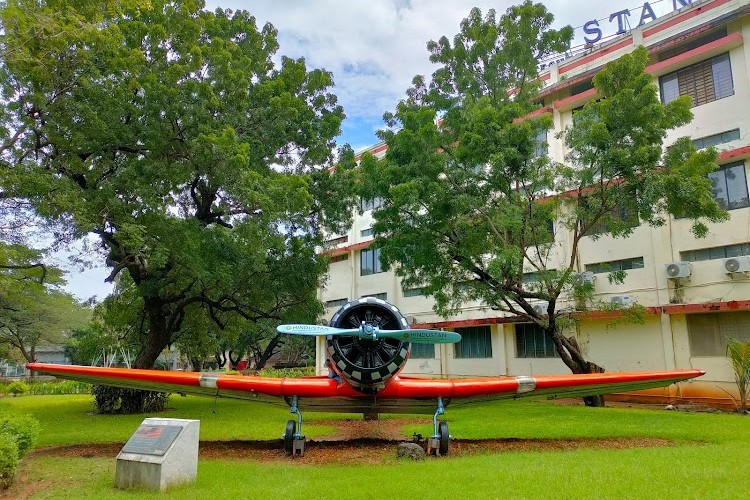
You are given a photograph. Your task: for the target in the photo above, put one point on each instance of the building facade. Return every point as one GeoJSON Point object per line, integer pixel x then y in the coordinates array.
{"type": "Point", "coordinates": [696, 290]}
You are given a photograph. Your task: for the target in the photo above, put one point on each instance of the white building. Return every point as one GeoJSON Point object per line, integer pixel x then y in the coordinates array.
{"type": "Point", "coordinates": [698, 49]}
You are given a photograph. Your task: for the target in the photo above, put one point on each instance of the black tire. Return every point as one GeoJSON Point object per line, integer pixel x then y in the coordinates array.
{"type": "Point", "coordinates": [444, 437]}
{"type": "Point", "coordinates": [291, 428]}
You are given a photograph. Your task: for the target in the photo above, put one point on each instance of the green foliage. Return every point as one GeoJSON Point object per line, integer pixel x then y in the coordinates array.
{"type": "Point", "coordinates": [23, 428]}
{"type": "Point", "coordinates": [86, 344]}
{"type": "Point", "coordinates": [469, 202]}
{"type": "Point", "coordinates": [17, 435]}
{"type": "Point", "coordinates": [59, 387]}
{"type": "Point", "coordinates": [287, 372]}
{"type": "Point", "coordinates": [17, 387]}
{"type": "Point", "coordinates": [33, 309]}
{"type": "Point", "coordinates": [173, 134]}
{"type": "Point", "coordinates": [738, 353]}
{"type": "Point", "coordinates": [128, 401]}
{"type": "Point", "coordinates": [8, 459]}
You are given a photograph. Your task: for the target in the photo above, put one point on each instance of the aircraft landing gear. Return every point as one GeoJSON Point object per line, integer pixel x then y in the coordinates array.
{"type": "Point", "coordinates": [437, 444]}
{"type": "Point", "coordinates": [294, 440]}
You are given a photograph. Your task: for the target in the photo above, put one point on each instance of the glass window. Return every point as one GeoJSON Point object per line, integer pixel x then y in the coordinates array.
{"type": "Point", "coordinates": [623, 214]}
{"type": "Point", "coordinates": [336, 302]}
{"type": "Point", "coordinates": [708, 333]}
{"type": "Point", "coordinates": [414, 292]}
{"type": "Point", "coordinates": [339, 258]}
{"type": "Point", "coordinates": [716, 139]}
{"type": "Point", "coordinates": [370, 262]}
{"type": "Point", "coordinates": [542, 147]}
{"type": "Point", "coordinates": [705, 81]}
{"type": "Point", "coordinates": [422, 351]}
{"type": "Point", "coordinates": [366, 205]}
{"type": "Point", "coordinates": [532, 342]}
{"type": "Point", "coordinates": [381, 296]}
{"type": "Point", "coordinates": [366, 232]}
{"type": "Point", "coordinates": [721, 252]}
{"type": "Point", "coordinates": [615, 265]}
{"type": "Point", "coordinates": [476, 342]}
{"type": "Point", "coordinates": [729, 186]}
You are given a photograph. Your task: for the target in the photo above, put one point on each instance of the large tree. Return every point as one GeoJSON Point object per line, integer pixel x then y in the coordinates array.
{"type": "Point", "coordinates": [34, 311]}
{"type": "Point", "coordinates": [170, 133]}
{"type": "Point", "coordinates": [469, 200]}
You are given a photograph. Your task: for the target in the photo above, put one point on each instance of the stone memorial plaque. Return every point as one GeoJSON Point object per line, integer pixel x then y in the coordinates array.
{"type": "Point", "coordinates": [152, 439]}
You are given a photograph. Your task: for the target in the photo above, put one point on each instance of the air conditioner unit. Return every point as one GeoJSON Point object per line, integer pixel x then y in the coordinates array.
{"type": "Point", "coordinates": [541, 307]}
{"type": "Point", "coordinates": [737, 264]}
{"type": "Point", "coordinates": [622, 300]}
{"type": "Point", "coordinates": [585, 278]}
{"type": "Point", "coordinates": [678, 270]}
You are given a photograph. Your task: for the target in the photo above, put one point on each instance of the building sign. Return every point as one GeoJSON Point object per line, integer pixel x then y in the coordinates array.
{"type": "Point", "coordinates": [623, 20]}
{"type": "Point", "coordinates": [593, 30]}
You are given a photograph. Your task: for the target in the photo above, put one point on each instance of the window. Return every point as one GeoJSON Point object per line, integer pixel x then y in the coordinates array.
{"type": "Point", "coordinates": [381, 296]}
{"type": "Point", "coordinates": [422, 351]}
{"type": "Point", "coordinates": [708, 333]}
{"type": "Point", "coordinates": [366, 232]}
{"type": "Point", "coordinates": [337, 240]}
{"type": "Point", "coordinates": [336, 302]}
{"type": "Point", "coordinates": [716, 139]}
{"type": "Point", "coordinates": [615, 265]}
{"type": "Point", "coordinates": [541, 233]}
{"type": "Point", "coordinates": [476, 342]}
{"type": "Point", "coordinates": [722, 252]}
{"type": "Point", "coordinates": [705, 81]}
{"type": "Point", "coordinates": [693, 43]}
{"type": "Point", "coordinates": [414, 292]}
{"type": "Point", "coordinates": [542, 147]}
{"type": "Point", "coordinates": [369, 262]}
{"type": "Point", "coordinates": [339, 258]}
{"type": "Point", "coordinates": [366, 205]}
{"type": "Point", "coordinates": [531, 277]}
{"type": "Point", "coordinates": [618, 215]}
{"type": "Point", "coordinates": [532, 342]}
{"type": "Point", "coordinates": [729, 186]}
{"type": "Point", "coordinates": [581, 87]}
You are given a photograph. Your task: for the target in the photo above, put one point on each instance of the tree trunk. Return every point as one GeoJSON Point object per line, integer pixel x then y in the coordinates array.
{"type": "Point", "coordinates": [196, 364]}
{"type": "Point", "coordinates": [158, 335]}
{"type": "Point", "coordinates": [262, 358]}
{"type": "Point", "coordinates": [570, 353]}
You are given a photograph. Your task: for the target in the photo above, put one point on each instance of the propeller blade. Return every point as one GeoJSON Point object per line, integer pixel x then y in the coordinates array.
{"type": "Point", "coordinates": [416, 336]}
{"type": "Point", "coordinates": [315, 330]}
{"type": "Point", "coordinates": [420, 336]}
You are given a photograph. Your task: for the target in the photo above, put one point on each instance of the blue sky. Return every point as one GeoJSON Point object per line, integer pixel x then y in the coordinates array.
{"type": "Point", "coordinates": [374, 48]}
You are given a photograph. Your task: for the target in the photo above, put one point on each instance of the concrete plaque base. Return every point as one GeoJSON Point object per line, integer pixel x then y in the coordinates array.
{"type": "Point", "coordinates": [162, 452]}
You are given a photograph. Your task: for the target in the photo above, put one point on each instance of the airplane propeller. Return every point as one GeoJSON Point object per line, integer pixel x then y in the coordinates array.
{"type": "Point", "coordinates": [370, 332]}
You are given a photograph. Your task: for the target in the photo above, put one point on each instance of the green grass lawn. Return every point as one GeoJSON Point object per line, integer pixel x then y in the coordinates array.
{"type": "Point", "coordinates": [709, 458]}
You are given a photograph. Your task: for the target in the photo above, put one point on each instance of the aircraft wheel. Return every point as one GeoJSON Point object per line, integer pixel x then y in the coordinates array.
{"type": "Point", "coordinates": [291, 428]}
{"type": "Point", "coordinates": [444, 437]}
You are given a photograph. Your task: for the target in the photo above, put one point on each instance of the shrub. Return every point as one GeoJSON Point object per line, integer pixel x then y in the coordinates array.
{"type": "Point", "coordinates": [116, 400]}
{"type": "Point", "coordinates": [17, 435]}
{"type": "Point", "coordinates": [22, 428]}
{"type": "Point", "coordinates": [8, 460]}
{"type": "Point", "coordinates": [59, 387]}
{"type": "Point", "coordinates": [17, 387]}
{"type": "Point", "coordinates": [739, 355]}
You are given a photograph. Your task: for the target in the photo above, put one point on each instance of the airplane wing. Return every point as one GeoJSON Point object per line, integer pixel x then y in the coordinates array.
{"type": "Point", "coordinates": [401, 395]}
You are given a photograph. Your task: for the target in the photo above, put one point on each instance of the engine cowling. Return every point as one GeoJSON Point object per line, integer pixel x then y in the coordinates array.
{"type": "Point", "coordinates": [365, 364]}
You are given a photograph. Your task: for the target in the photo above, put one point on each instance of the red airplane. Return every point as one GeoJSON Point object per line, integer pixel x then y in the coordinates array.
{"type": "Point", "coordinates": [368, 343]}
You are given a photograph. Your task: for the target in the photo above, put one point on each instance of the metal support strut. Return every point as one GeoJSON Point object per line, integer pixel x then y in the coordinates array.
{"type": "Point", "coordinates": [293, 409]}
{"type": "Point", "coordinates": [439, 411]}
{"type": "Point", "coordinates": [294, 440]}
{"type": "Point", "coordinates": [437, 444]}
